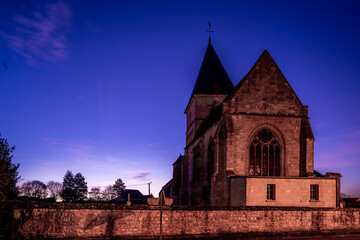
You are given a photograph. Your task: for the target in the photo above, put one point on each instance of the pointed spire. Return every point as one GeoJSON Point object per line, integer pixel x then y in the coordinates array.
{"type": "Point", "coordinates": [212, 77]}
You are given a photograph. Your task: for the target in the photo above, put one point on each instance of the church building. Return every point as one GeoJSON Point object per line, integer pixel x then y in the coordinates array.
{"type": "Point", "coordinates": [249, 144]}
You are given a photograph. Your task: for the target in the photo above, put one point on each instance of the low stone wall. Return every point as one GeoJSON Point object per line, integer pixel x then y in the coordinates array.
{"type": "Point", "coordinates": [89, 220]}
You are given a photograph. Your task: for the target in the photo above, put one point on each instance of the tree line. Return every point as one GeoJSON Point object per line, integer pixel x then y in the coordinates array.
{"type": "Point", "coordinates": [73, 188]}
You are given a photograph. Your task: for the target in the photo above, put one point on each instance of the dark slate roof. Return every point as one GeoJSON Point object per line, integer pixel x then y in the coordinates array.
{"type": "Point", "coordinates": [179, 160]}
{"type": "Point", "coordinates": [212, 77]}
{"type": "Point", "coordinates": [318, 174]}
{"type": "Point", "coordinates": [169, 183]}
{"type": "Point", "coordinates": [135, 196]}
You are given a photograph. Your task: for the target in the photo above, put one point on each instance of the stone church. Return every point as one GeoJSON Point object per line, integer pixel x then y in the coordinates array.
{"type": "Point", "coordinates": [249, 144]}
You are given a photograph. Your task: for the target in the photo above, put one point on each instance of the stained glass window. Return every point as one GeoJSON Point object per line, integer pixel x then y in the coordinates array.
{"type": "Point", "coordinates": [264, 154]}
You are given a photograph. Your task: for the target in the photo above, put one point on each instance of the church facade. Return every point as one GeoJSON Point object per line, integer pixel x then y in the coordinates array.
{"type": "Point", "coordinates": [248, 145]}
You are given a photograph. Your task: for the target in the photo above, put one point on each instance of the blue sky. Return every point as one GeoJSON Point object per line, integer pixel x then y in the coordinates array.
{"type": "Point", "coordinates": [100, 87]}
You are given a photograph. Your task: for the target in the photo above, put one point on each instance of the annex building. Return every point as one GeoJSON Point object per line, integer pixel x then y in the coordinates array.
{"type": "Point", "coordinates": [249, 144]}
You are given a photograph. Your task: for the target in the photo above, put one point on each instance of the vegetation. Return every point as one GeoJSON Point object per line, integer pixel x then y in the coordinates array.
{"type": "Point", "coordinates": [8, 172]}
{"type": "Point", "coordinates": [68, 191]}
{"type": "Point", "coordinates": [54, 189]}
{"type": "Point", "coordinates": [95, 194]}
{"type": "Point", "coordinates": [34, 188]}
{"type": "Point", "coordinates": [74, 187]}
{"type": "Point", "coordinates": [109, 193]}
{"type": "Point", "coordinates": [80, 187]}
{"type": "Point", "coordinates": [119, 187]}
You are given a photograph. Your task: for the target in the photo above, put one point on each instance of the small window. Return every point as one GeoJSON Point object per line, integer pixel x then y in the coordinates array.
{"type": "Point", "coordinates": [314, 192]}
{"type": "Point", "coordinates": [270, 195]}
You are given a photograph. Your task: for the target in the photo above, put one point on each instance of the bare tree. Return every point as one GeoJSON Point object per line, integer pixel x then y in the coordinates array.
{"type": "Point", "coordinates": [34, 189]}
{"type": "Point", "coordinates": [95, 194]}
{"type": "Point", "coordinates": [54, 189]}
{"type": "Point", "coordinates": [109, 193]}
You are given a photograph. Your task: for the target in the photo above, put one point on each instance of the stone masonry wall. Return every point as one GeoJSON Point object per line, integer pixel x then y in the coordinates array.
{"type": "Point", "coordinates": [290, 192]}
{"type": "Point", "coordinates": [265, 90]}
{"type": "Point", "coordinates": [245, 126]}
{"type": "Point", "coordinates": [60, 222]}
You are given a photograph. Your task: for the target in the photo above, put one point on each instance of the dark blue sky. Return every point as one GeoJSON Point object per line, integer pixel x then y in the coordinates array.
{"type": "Point", "coordinates": [100, 87]}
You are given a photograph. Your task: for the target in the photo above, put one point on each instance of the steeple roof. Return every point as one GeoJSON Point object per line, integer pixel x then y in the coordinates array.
{"type": "Point", "coordinates": [179, 160]}
{"type": "Point", "coordinates": [212, 77]}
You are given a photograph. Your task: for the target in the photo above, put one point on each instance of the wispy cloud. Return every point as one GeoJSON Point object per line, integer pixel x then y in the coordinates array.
{"type": "Point", "coordinates": [141, 176]}
{"type": "Point", "coordinates": [153, 145]}
{"type": "Point", "coordinates": [42, 35]}
{"type": "Point", "coordinates": [81, 148]}
{"type": "Point", "coordinates": [113, 159]}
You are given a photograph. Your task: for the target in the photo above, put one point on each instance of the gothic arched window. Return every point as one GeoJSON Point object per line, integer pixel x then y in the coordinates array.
{"type": "Point", "coordinates": [264, 154]}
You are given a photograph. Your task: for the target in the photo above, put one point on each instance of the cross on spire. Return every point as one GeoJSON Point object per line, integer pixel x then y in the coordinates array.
{"type": "Point", "coordinates": [209, 31]}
